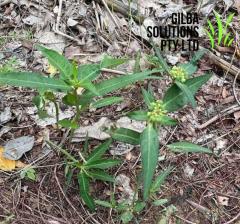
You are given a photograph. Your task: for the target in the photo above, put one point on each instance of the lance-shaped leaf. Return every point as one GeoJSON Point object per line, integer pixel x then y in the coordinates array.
{"type": "Point", "coordinates": [88, 72]}
{"type": "Point", "coordinates": [102, 164]}
{"type": "Point", "coordinates": [189, 68]}
{"type": "Point", "coordinates": [160, 180]}
{"type": "Point", "coordinates": [114, 84]}
{"type": "Point", "coordinates": [100, 175]}
{"type": "Point", "coordinates": [139, 115]}
{"type": "Point", "coordinates": [149, 152]}
{"type": "Point", "coordinates": [188, 147]}
{"type": "Point", "coordinates": [84, 190]}
{"type": "Point", "coordinates": [175, 99]}
{"type": "Point", "coordinates": [109, 62]}
{"type": "Point", "coordinates": [58, 61]}
{"type": "Point", "coordinates": [187, 92]}
{"type": "Point", "coordinates": [166, 120]}
{"type": "Point", "coordinates": [106, 102]}
{"type": "Point", "coordinates": [148, 97]}
{"type": "Point", "coordinates": [33, 80]}
{"type": "Point", "coordinates": [89, 86]}
{"type": "Point", "coordinates": [99, 151]}
{"type": "Point", "coordinates": [126, 135]}
{"type": "Point", "coordinates": [105, 204]}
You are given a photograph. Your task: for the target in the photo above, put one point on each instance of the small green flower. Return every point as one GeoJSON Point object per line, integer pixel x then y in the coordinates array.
{"type": "Point", "coordinates": [156, 111]}
{"type": "Point", "coordinates": [178, 73]}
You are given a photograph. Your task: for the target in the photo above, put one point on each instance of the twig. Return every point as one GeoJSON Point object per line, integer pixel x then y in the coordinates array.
{"type": "Point", "coordinates": [110, 13]}
{"type": "Point", "coordinates": [233, 219]}
{"type": "Point", "coordinates": [224, 64]}
{"type": "Point", "coordinates": [68, 201]}
{"type": "Point", "coordinates": [227, 111]}
{"type": "Point", "coordinates": [57, 31]}
{"type": "Point", "coordinates": [113, 71]}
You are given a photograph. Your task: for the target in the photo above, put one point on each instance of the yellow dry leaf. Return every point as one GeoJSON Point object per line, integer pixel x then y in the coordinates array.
{"type": "Point", "coordinates": [6, 164]}
{"type": "Point", "coordinates": [51, 70]}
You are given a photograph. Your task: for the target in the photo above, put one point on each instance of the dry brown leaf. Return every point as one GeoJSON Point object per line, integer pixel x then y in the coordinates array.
{"type": "Point", "coordinates": [237, 5]}
{"type": "Point", "coordinates": [7, 164]}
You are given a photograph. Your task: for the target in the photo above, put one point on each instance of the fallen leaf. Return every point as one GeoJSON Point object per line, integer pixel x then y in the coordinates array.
{"type": "Point", "coordinates": [6, 115]}
{"type": "Point", "coordinates": [6, 164]}
{"type": "Point", "coordinates": [237, 5]}
{"type": "Point", "coordinates": [14, 149]}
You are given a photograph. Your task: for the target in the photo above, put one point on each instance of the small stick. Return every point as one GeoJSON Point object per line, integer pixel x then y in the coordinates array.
{"type": "Point", "coordinates": [57, 31]}
{"type": "Point", "coordinates": [224, 64]}
{"type": "Point", "coordinates": [113, 71]}
{"type": "Point", "coordinates": [227, 111]}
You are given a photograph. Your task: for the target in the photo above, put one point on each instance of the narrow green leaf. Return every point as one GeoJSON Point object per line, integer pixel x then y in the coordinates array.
{"type": "Point", "coordinates": [189, 68]}
{"type": "Point", "coordinates": [230, 42]}
{"type": "Point", "coordinates": [160, 180]}
{"type": "Point", "coordinates": [99, 151]}
{"type": "Point", "coordinates": [220, 27]}
{"type": "Point", "coordinates": [126, 135]}
{"type": "Point", "coordinates": [107, 102]}
{"type": "Point", "coordinates": [126, 217]}
{"type": "Point", "coordinates": [88, 72]}
{"type": "Point", "coordinates": [149, 152]}
{"type": "Point", "coordinates": [105, 204]}
{"type": "Point", "coordinates": [33, 80]}
{"type": "Point", "coordinates": [139, 206]}
{"type": "Point", "coordinates": [148, 97]}
{"type": "Point", "coordinates": [187, 147]}
{"type": "Point", "coordinates": [166, 121]}
{"type": "Point", "coordinates": [100, 175]}
{"type": "Point", "coordinates": [211, 38]}
{"type": "Point", "coordinates": [89, 86]}
{"type": "Point", "coordinates": [229, 20]}
{"type": "Point", "coordinates": [114, 84]}
{"type": "Point", "coordinates": [175, 99]}
{"type": "Point", "coordinates": [198, 55]}
{"type": "Point", "coordinates": [187, 92]}
{"type": "Point", "coordinates": [84, 190]}
{"type": "Point", "coordinates": [226, 39]}
{"type": "Point", "coordinates": [211, 27]}
{"type": "Point", "coordinates": [109, 62]}
{"type": "Point", "coordinates": [160, 202]}
{"type": "Point", "coordinates": [139, 115]}
{"type": "Point", "coordinates": [58, 61]}
{"type": "Point", "coordinates": [102, 164]}
{"type": "Point", "coordinates": [162, 62]}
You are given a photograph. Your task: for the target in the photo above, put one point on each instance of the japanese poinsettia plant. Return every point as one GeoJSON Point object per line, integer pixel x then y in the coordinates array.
{"type": "Point", "coordinates": [156, 114]}
{"type": "Point", "coordinates": [76, 81]}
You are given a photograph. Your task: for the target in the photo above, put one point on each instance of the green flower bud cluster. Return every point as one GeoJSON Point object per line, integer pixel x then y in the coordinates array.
{"type": "Point", "coordinates": [156, 111]}
{"type": "Point", "coordinates": [178, 73]}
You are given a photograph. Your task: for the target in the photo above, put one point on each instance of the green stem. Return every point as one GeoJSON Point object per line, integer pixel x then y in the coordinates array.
{"type": "Point", "coordinates": [57, 112]}
{"type": "Point", "coordinates": [51, 144]}
{"type": "Point", "coordinates": [78, 113]}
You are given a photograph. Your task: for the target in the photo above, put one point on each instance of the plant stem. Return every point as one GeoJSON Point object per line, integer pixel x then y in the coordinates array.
{"type": "Point", "coordinates": [57, 112]}
{"type": "Point", "coordinates": [78, 112]}
{"type": "Point", "coordinates": [51, 144]}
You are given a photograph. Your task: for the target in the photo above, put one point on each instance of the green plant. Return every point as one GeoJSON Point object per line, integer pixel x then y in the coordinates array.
{"type": "Point", "coordinates": [29, 173]}
{"type": "Point", "coordinates": [128, 210]}
{"type": "Point", "coordinates": [88, 167]}
{"type": "Point", "coordinates": [76, 82]}
{"type": "Point", "coordinates": [156, 114]}
{"type": "Point", "coordinates": [222, 31]}
{"type": "Point", "coordinates": [10, 65]}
